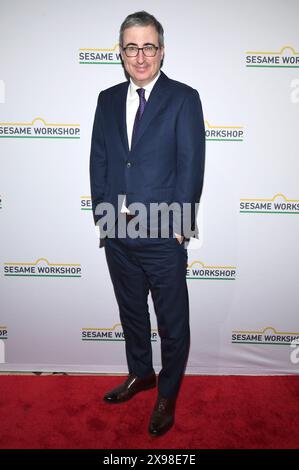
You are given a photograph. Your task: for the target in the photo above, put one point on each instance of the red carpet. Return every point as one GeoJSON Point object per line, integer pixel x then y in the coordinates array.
{"type": "Point", "coordinates": [213, 412]}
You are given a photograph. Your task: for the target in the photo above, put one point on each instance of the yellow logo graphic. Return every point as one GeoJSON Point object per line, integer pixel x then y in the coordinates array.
{"type": "Point", "coordinates": [198, 270]}
{"type": "Point", "coordinates": [224, 133]}
{"type": "Point", "coordinates": [39, 129]}
{"type": "Point", "coordinates": [42, 268]}
{"type": "Point", "coordinates": [287, 57]}
{"type": "Point", "coordinates": [109, 334]}
{"type": "Point", "coordinates": [91, 55]}
{"type": "Point", "coordinates": [268, 335]}
{"type": "Point", "coordinates": [278, 204]}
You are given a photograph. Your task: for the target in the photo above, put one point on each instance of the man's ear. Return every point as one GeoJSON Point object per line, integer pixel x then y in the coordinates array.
{"type": "Point", "coordinates": [162, 56]}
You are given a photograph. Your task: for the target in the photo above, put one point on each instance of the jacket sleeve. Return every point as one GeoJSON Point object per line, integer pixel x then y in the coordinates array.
{"type": "Point", "coordinates": [98, 161]}
{"type": "Point", "coordinates": [190, 135]}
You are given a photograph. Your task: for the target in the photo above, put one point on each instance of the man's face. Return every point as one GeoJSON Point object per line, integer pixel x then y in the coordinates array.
{"type": "Point", "coordinates": [142, 69]}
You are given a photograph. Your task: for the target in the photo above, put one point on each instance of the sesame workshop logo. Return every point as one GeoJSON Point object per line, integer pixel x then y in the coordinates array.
{"type": "Point", "coordinates": [3, 332]}
{"type": "Point", "coordinates": [100, 56]}
{"type": "Point", "coordinates": [278, 204]}
{"type": "Point", "coordinates": [286, 58]}
{"type": "Point", "coordinates": [85, 203]}
{"type": "Point", "coordinates": [198, 270]}
{"type": "Point", "coordinates": [109, 334]}
{"type": "Point", "coordinates": [39, 129]}
{"type": "Point", "coordinates": [42, 268]}
{"type": "Point", "coordinates": [224, 133]}
{"type": "Point", "coordinates": [268, 335]}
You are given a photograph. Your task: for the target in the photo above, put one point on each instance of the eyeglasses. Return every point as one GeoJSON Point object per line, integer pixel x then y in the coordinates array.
{"type": "Point", "coordinates": [149, 51]}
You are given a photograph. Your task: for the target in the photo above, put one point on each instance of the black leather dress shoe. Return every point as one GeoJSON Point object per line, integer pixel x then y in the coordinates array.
{"type": "Point", "coordinates": [130, 387]}
{"type": "Point", "coordinates": [162, 418]}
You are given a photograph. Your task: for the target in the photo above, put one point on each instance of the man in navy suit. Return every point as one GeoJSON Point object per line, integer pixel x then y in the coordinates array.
{"type": "Point", "coordinates": [148, 148]}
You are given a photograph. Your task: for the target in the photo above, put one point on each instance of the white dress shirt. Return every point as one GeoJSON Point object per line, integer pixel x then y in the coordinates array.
{"type": "Point", "coordinates": [133, 103]}
{"type": "Point", "coordinates": [131, 110]}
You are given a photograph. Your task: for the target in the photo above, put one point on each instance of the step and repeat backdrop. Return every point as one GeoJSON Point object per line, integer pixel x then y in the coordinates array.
{"type": "Point", "coordinates": [58, 311]}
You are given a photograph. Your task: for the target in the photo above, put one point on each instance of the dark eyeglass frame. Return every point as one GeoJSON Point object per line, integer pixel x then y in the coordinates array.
{"type": "Point", "coordinates": [137, 49]}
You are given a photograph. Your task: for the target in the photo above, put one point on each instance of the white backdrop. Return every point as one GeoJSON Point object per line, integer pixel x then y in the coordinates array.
{"type": "Point", "coordinates": [58, 311]}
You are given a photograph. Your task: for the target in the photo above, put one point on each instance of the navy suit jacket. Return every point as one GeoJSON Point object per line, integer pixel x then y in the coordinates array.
{"type": "Point", "coordinates": [166, 161]}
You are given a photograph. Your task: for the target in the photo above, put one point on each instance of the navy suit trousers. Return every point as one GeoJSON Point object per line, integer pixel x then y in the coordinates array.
{"type": "Point", "coordinates": [137, 267]}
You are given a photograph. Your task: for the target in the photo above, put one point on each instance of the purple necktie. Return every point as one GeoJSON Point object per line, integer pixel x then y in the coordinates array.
{"type": "Point", "coordinates": [139, 113]}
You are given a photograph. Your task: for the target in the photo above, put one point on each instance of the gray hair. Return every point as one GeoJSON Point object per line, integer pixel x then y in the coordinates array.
{"type": "Point", "coordinates": [141, 18]}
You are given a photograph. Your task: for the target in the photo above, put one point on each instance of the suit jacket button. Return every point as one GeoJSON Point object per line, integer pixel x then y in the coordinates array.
{"type": "Point", "coordinates": [129, 164]}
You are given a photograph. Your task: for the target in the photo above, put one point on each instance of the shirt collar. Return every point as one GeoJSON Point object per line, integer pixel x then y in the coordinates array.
{"type": "Point", "coordinates": [148, 88]}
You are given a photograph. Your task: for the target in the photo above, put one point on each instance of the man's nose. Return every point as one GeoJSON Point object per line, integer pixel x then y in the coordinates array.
{"type": "Point", "coordinates": [140, 56]}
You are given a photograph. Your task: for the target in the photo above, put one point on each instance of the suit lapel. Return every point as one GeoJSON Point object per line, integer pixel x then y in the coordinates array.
{"type": "Point", "coordinates": [153, 106]}
{"type": "Point", "coordinates": [120, 113]}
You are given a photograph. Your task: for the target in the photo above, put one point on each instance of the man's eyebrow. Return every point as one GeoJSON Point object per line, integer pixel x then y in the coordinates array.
{"type": "Point", "coordinates": [145, 44]}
